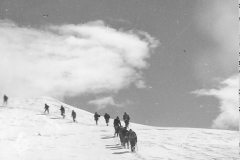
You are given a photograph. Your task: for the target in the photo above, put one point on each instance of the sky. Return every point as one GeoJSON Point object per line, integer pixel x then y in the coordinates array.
{"type": "Point", "coordinates": [168, 63]}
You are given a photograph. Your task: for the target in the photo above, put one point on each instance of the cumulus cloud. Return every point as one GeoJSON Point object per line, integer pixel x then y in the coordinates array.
{"type": "Point", "coordinates": [104, 102]}
{"type": "Point", "coordinates": [70, 60]}
{"type": "Point", "coordinates": [218, 24]}
{"type": "Point", "coordinates": [227, 93]}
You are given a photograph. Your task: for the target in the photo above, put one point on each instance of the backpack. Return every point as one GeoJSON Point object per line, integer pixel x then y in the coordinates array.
{"type": "Point", "coordinates": [46, 106]}
{"type": "Point", "coordinates": [5, 98]}
{"type": "Point", "coordinates": [132, 134]}
{"type": "Point", "coordinates": [74, 114]}
{"type": "Point", "coordinates": [96, 116]}
{"type": "Point", "coordinates": [106, 116]}
{"type": "Point", "coordinates": [126, 117]}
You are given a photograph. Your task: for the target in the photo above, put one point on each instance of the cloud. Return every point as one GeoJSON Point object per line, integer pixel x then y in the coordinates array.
{"type": "Point", "coordinates": [69, 60]}
{"type": "Point", "coordinates": [218, 26]}
{"type": "Point", "coordinates": [140, 84]}
{"type": "Point", "coordinates": [227, 93]}
{"type": "Point", "coordinates": [104, 102]}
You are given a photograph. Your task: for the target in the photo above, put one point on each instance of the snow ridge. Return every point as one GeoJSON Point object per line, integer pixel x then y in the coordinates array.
{"type": "Point", "coordinates": [27, 133]}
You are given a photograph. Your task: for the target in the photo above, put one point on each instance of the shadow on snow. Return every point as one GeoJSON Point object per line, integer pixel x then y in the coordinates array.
{"type": "Point", "coordinates": [107, 137]}
{"type": "Point", "coordinates": [121, 152]}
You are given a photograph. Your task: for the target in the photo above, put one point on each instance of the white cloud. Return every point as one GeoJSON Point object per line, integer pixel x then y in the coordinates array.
{"type": "Point", "coordinates": [227, 93]}
{"type": "Point", "coordinates": [104, 102]}
{"type": "Point", "coordinates": [218, 25]}
{"type": "Point", "coordinates": [69, 60]}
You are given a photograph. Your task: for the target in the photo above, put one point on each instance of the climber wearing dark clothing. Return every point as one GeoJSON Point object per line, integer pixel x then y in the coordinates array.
{"type": "Point", "coordinates": [74, 115]}
{"type": "Point", "coordinates": [46, 108]}
{"type": "Point", "coordinates": [126, 119]}
{"type": "Point", "coordinates": [107, 117]}
{"type": "Point", "coordinates": [132, 139]}
{"type": "Point", "coordinates": [120, 133]}
{"type": "Point", "coordinates": [125, 134]}
{"type": "Point", "coordinates": [96, 117]}
{"type": "Point", "coordinates": [5, 99]}
{"type": "Point", "coordinates": [116, 124]}
{"type": "Point", "coordinates": [62, 111]}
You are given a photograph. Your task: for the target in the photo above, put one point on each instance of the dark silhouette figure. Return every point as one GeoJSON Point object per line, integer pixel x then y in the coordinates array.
{"type": "Point", "coordinates": [96, 117]}
{"type": "Point", "coordinates": [5, 100]}
{"type": "Point", "coordinates": [46, 108]}
{"type": "Point", "coordinates": [120, 133]}
{"type": "Point", "coordinates": [116, 124]}
{"type": "Point", "coordinates": [125, 134]}
{"type": "Point", "coordinates": [107, 117]}
{"type": "Point", "coordinates": [132, 139]}
{"type": "Point", "coordinates": [126, 119]}
{"type": "Point", "coordinates": [62, 111]}
{"type": "Point", "coordinates": [74, 115]}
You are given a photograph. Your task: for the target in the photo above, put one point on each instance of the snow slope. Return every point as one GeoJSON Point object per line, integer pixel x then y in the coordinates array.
{"type": "Point", "coordinates": [26, 133]}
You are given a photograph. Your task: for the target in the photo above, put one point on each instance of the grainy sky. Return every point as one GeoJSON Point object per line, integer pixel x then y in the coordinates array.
{"type": "Point", "coordinates": [166, 63]}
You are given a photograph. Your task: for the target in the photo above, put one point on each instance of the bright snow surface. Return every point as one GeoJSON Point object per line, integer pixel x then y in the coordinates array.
{"type": "Point", "coordinates": [27, 133]}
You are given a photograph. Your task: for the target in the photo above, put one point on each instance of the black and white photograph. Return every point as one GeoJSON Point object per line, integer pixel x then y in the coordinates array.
{"type": "Point", "coordinates": [119, 80]}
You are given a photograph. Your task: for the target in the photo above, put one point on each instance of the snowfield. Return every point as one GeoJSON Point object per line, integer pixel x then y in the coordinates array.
{"type": "Point", "coordinates": [27, 133]}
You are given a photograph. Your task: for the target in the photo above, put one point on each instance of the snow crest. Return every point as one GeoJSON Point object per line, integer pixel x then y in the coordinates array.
{"type": "Point", "coordinates": [27, 133]}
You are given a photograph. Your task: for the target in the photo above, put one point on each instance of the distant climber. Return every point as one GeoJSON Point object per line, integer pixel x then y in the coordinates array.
{"type": "Point", "coordinates": [116, 124]}
{"type": "Point", "coordinates": [62, 111]}
{"type": "Point", "coordinates": [126, 119]}
{"type": "Point", "coordinates": [46, 108]}
{"type": "Point", "coordinates": [5, 100]}
{"type": "Point", "coordinates": [74, 115]}
{"type": "Point", "coordinates": [132, 139]}
{"type": "Point", "coordinates": [96, 117]}
{"type": "Point", "coordinates": [107, 117]}
{"type": "Point", "coordinates": [125, 134]}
